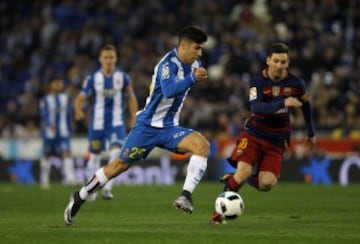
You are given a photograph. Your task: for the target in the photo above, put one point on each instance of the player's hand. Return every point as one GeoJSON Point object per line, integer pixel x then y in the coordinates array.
{"type": "Point", "coordinates": [79, 115]}
{"type": "Point", "coordinates": [310, 143]}
{"type": "Point", "coordinates": [200, 74]}
{"type": "Point", "coordinates": [292, 102]}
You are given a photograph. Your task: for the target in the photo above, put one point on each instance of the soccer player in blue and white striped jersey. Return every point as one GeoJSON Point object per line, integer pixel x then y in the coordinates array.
{"type": "Point", "coordinates": [111, 92]}
{"type": "Point", "coordinates": [55, 111]}
{"type": "Point", "coordinates": [158, 123]}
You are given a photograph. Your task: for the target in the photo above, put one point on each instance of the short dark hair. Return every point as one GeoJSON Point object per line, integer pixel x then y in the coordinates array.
{"type": "Point", "coordinates": [193, 33]}
{"type": "Point", "coordinates": [277, 47]}
{"type": "Point", "coordinates": [56, 77]}
{"type": "Point", "coordinates": [108, 47]}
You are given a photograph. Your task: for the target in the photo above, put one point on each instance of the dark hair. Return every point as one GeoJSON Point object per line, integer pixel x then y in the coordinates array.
{"type": "Point", "coordinates": [108, 47]}
{"type": "Point", "coordinates": [56, 77]}
{"type": "Point", "coordinates": [277, 47]}
{"type": "Point", "coordinates": [193, 33]}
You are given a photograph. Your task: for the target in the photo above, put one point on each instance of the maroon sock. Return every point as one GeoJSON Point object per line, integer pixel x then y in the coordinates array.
{"type": "Point", "coordinates": [231, 184]}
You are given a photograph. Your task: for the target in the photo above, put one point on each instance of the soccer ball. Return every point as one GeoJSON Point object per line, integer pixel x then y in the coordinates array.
{"type": "Point", "coordinates": [229, 204]}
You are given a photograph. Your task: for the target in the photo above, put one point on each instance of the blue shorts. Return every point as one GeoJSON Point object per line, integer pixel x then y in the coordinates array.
{"type": "Point", "coordinates": [56, 146]}
{"type": "Point", "coordinates": [142, 139]}
{"type": "Point", "coordinates": [98, 138]}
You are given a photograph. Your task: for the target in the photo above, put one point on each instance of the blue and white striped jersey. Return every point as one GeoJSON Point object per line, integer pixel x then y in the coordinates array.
{"type": "Point", "coordinates": [55, 111]}
{"type": "Point", "coordinates": [169, 87]}
{"type": "Point", "coordinates": [108, 98]}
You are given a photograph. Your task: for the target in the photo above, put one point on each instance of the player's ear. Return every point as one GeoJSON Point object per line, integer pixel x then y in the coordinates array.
{"type": "Point", "coordinates": [267, 60]}
{"type": "Point", "coordinates": [185, 43]}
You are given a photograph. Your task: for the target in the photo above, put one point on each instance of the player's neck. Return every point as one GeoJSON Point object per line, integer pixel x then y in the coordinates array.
{"type": "Point", "coordinates": [180, 56]}
{"type": "Point", "coordinates": [268, 75]}
{"type": "Point", "coordinates": [107, 72]}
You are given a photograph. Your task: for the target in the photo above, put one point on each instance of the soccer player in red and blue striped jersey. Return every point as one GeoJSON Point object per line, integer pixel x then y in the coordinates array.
{"type": "Point", "coordinates": [258, 154]}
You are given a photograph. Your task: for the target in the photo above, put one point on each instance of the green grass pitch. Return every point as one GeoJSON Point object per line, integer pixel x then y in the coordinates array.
{"type": "Point", "coordinates": [290, 213]}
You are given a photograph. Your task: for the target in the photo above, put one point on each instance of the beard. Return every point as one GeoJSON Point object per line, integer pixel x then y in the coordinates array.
{"type": "Point", "coordinates": [278, 75]}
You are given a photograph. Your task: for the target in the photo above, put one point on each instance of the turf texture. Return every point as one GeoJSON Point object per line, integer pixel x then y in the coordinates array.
{"type": "Point", "coordinates": [290, 213]}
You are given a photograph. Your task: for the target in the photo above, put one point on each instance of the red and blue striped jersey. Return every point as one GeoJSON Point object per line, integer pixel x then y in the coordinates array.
{"type": "Point", "coordinates": [270, 118]}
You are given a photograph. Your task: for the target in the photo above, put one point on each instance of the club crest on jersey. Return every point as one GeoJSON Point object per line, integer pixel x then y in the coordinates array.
{"type": "Point", "coordinates": [275, 91]}
{"type": "Point", "coordinates": [287, 91]}
{"type": "Point", "coordinates": [118, 81]}
{"type": "Point", "coordinates": [126, 152]}
{"type": "Point", "coordinates": [165, 72]}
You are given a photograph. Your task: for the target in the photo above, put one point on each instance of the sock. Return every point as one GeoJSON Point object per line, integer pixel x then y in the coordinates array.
{"type": "Point", "coordinates": [68, 170]}
{"type": "Point", "coordinates": [45, 167]}
{"type": "Point", "coordinates": [94, 184]}
{"type": "Point", "coordinates": [93, 164]}
{"type": "Point", "coordinates": [195, 171]}
{"type": "Point", "coordinates": [114, 153]}
{"type": "Point", "coordinates": [231, 184]}
{"type": "Point", "coordinates": [186, 193]}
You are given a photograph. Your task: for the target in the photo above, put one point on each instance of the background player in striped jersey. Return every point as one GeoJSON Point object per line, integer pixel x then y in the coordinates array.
{"type": "Point", "coordinates": [55, 111]}
{"type": "Point", "coordinates": [258, 154]}
{"type": "Point", "coordinates": [158, 123]}
{"type": "Point", "coordinates": [111, 91]}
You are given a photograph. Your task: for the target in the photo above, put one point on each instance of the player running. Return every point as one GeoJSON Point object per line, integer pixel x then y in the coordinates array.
{"type": "Point", "coordinates": [158, 123]}
{"type": "Point", "coordinates": [258, 154]}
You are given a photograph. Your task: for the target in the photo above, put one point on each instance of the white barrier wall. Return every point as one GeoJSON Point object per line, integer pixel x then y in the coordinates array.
{"type": "Point", "coordinates": [32, 149]}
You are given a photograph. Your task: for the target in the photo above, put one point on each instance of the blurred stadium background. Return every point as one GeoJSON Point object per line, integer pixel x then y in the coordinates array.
{"type": "Point", "coordinates": [40, 39]}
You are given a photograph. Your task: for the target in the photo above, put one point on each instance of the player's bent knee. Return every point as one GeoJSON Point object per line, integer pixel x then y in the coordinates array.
{"type": "Point", "coordinates": [195, 144]}
{"type": "Point", "coordinates": [267, 185]}
{"type": "Point", "coordinates": [201, 147]}
{"type": "Point", "coordinates": [267, 180]}
{"type": "Point", "coordinates": [204, 149]}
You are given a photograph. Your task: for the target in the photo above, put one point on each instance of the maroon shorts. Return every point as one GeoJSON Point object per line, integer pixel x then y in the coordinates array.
{"type": "Point", "coordinates": [253, 150]}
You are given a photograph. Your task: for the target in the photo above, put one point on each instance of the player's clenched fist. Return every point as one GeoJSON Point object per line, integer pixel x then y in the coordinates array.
{"type": "Point", "coordinates": [292, 102]}
{"type": "Point", "coordinates": [200, 74]}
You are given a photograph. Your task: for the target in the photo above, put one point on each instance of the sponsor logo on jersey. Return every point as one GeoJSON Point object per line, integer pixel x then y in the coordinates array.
{"type": "Point", "coordinates": [108, 93]}
{"type": "Point", "coordinates": [287, 91]}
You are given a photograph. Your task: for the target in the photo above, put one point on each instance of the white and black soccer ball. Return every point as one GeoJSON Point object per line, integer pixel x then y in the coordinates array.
{"type": "Point", "coordinates": [229, 204]}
